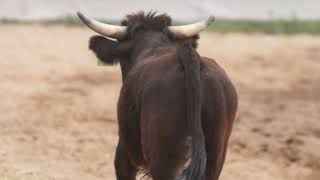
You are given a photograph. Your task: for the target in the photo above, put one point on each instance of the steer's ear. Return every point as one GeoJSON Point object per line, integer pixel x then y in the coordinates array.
{"type": "Point", "coordinates": [104, 49]}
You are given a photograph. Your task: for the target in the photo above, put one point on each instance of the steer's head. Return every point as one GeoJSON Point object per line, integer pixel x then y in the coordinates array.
{"type": "Point", "coordinates": [138, 32]}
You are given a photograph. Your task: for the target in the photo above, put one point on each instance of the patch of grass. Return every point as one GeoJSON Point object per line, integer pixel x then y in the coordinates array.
{"type": "Point", "coordinates": [66, 20]}
{"type": "Point", "coordinates": [279, 26]}
{"type": "Point", "coordinates": [293, 26]}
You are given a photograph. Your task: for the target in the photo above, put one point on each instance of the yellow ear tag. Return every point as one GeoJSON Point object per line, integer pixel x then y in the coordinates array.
{"type": "Point", "coordinates": [101, 63]}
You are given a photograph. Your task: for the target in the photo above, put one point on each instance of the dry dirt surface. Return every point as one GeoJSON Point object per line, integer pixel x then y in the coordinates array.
{"type": "Point", "coordinates": [58, 109]}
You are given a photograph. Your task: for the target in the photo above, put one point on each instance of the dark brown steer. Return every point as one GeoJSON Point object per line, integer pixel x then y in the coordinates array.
{"type": "Point", "coordinates": [176, 109]}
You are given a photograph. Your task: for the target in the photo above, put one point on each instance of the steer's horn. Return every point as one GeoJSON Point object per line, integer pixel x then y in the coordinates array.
{"type": "Point", "coordinates": [112, 31]}
{"type": "Point", "coordinates": [191, 29]}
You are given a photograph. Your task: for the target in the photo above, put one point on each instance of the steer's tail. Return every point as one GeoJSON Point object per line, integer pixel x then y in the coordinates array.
{"type": "Point", "coordinates": [190, 60]}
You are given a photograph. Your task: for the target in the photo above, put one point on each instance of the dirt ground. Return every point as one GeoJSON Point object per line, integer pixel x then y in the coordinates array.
{"type": "Point", "coordinates": [58, 109]}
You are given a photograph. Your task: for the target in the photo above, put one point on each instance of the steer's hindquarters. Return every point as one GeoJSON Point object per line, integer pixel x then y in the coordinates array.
{"type": "Point", "coordinates": [165, 139]}
{"type": "Point", "coordinates": [167, 134]}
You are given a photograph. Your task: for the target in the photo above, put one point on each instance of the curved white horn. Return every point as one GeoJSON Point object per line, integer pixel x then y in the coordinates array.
{"type": "Point", "coordinates": [191, 29]}
{"type": "Point", "coordinates": [112, 31]}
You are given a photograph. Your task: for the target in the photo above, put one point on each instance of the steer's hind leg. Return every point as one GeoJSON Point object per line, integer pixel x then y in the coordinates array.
{"type": "Point", "coordinates": [124, 169]}
{"type": "Point", "coordinates": [217, 126]}
{"type": "Point", "coordinates": [216, 147]}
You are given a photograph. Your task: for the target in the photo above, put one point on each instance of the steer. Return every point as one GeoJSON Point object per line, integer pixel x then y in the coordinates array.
{"type": "Point", "coordinates": [176, 109]}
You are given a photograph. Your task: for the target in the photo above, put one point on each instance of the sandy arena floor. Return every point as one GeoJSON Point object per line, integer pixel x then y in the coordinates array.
{"type": "Point", "coordinates": [57, 108]}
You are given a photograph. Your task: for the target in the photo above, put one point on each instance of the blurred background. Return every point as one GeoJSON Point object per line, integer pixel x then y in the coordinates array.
{"type": "Point", "coordinates": [58, 108]}
{"type": "Point", "coordinates": [180, 9]}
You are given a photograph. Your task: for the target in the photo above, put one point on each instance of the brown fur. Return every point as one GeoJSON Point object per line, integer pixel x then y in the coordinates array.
{"type": "Point", "coordinates": [173, 103]}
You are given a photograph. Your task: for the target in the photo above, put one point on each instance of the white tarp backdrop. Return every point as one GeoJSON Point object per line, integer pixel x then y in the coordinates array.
{"type": "Point", "coordinates": [182, 10]}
